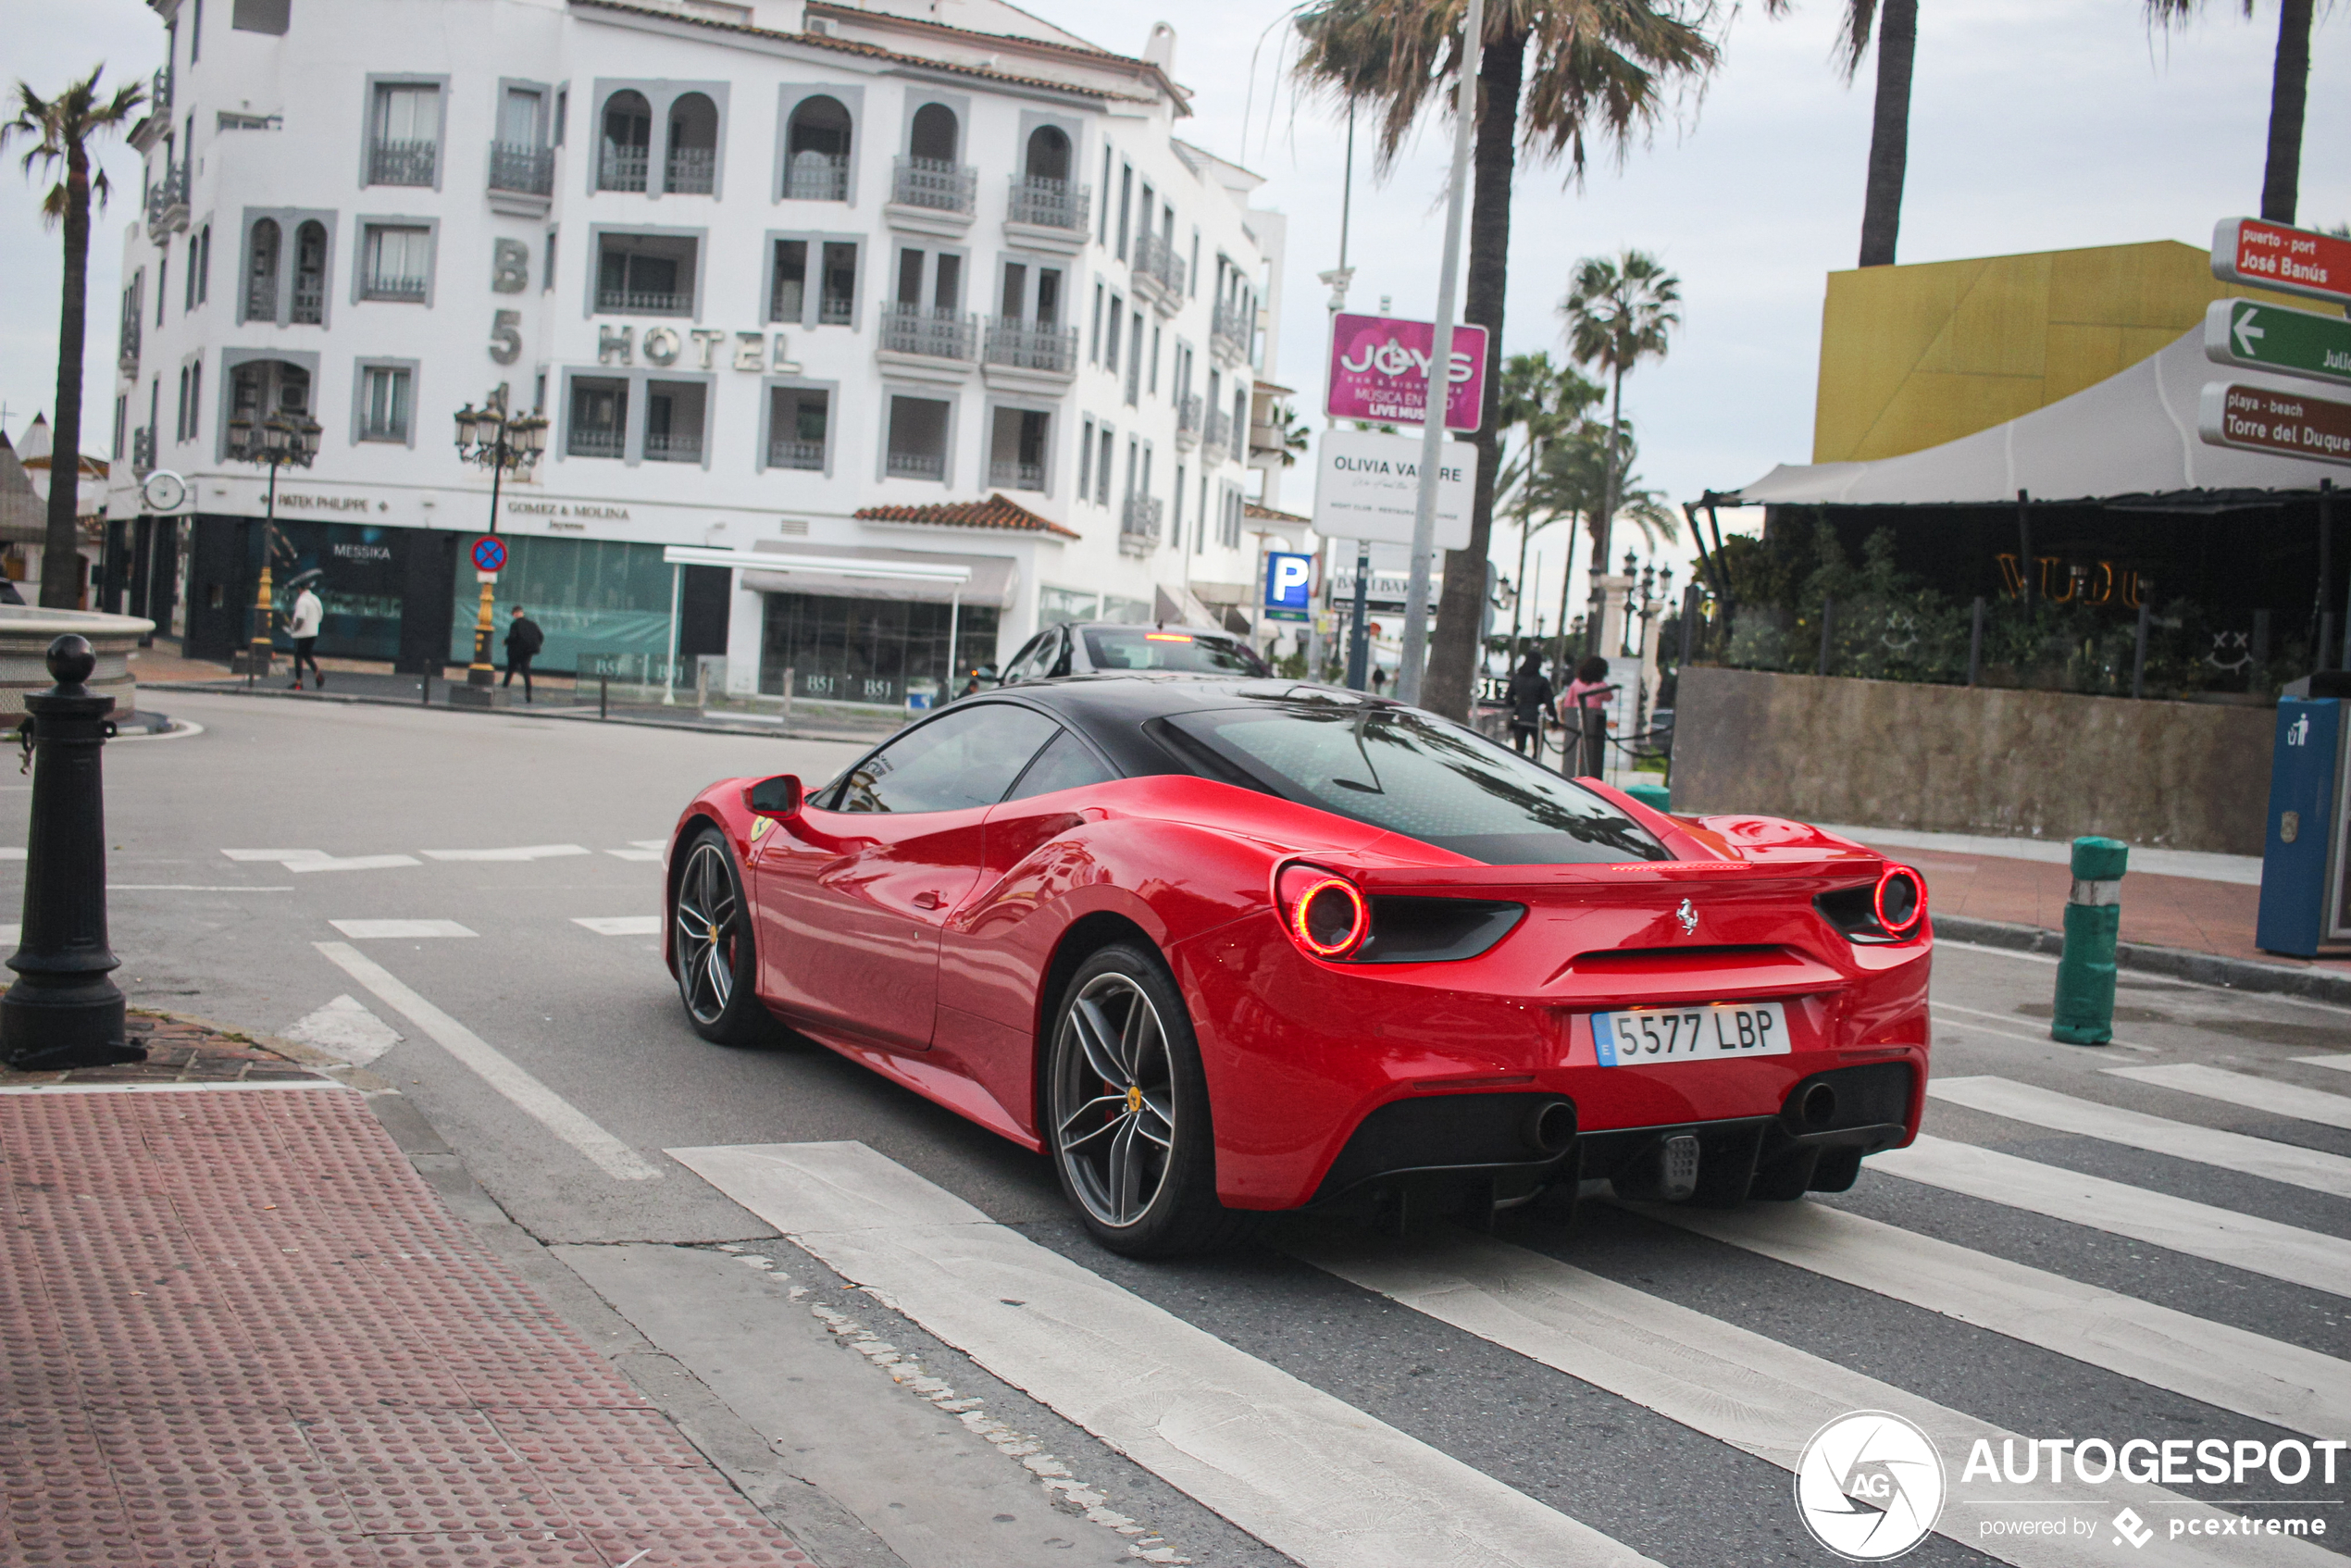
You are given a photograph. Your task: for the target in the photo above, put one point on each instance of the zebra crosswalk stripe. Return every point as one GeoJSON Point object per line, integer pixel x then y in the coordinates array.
{"type": "Point", "coordinates": [1308, 1474]}
{"type": "Point", "coordinates": [1732, 1384]}
{"type": "Point", "coordinates": [2312, 1168]}
{"type": "Point", "coordinates": [2243, 1089]}
{"type": "Point", "coordinates": [2221, 1236]}
{"type": "Point", "coordinates": [2218, 1363]}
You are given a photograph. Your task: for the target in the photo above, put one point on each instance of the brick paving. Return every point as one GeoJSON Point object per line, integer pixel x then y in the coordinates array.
{"type": "Point", "coordinates": [237, 1327]}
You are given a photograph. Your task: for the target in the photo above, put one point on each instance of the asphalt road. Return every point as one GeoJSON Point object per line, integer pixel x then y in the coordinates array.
{"type": "Point", "coordinates": [1962, 1305]}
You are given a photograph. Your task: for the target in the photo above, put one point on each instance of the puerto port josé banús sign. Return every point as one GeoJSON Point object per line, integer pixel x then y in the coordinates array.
{"type": "Point", "coordinates": [1379, 372]}
{"type": "Point", "coordinates": [2264, 420]}
{"type": "Point", "coordinates": [2294, 261]}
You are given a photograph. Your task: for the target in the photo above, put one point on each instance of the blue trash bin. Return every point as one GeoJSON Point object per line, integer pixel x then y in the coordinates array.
{"type": "Point", "coordinates": [2306, 788]}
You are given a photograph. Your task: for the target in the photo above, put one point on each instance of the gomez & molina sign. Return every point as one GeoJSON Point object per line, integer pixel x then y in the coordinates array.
{"type": "Point", "coordinates": [567, 509]}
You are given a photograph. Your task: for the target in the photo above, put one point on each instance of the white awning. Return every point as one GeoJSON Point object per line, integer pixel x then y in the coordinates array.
{"type": "Point", "coordinates": [2133, 433]}
{"type": "Point", "coordinates": [858, 572]}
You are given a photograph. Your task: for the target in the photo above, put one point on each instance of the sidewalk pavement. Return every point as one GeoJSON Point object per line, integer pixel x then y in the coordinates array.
{"type": "Point", "coordinates": [237, 1326]}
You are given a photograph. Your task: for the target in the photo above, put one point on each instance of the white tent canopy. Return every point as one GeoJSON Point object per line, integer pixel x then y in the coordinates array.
{"type": "Point", "coordinates": [2132, 434]}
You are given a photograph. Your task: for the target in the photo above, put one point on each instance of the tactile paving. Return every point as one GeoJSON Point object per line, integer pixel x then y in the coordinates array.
{"type": "Point", "coordinates": [238, 1328]}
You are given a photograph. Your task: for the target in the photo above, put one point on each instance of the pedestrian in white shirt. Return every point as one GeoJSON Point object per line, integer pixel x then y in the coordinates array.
{"type": "Point", "coordinates": [302, 627]}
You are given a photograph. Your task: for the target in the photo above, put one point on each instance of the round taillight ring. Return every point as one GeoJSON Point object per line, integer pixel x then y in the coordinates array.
{"type": "Point", "coordinates": [1899, 901]}
{"type": "Point", "coordinates": [1349, 937]}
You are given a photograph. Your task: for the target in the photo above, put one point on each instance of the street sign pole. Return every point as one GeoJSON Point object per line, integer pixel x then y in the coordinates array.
{"type": "Point", "coordinates": [1440, 360]}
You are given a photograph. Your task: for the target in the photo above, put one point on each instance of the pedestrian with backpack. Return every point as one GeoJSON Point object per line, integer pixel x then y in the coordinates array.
{"type": "Point", "coordinates": [523, 642]}
{"type": "Point", "coordinates": [302, 627]}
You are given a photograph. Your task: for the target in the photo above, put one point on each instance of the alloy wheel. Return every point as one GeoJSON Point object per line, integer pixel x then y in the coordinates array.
{"type": "Point", "coordinates": [1115, 1100]}
{"type": "Point", "coordinates": [709, 924]}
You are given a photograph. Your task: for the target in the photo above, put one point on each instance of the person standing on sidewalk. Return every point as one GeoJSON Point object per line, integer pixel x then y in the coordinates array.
{"type": "Point", "coordinates": [523, 642]}
{"type": "Point", "coordinates": [302, 627]}
{"type": "Point", "coordinates": [1531, 698]}
{"type": "Point", "coordinates": [1587, 696]}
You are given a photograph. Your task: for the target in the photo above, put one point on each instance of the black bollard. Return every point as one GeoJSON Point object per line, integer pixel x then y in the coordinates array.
{"type": "Point", "coordinates": [62, 1011]}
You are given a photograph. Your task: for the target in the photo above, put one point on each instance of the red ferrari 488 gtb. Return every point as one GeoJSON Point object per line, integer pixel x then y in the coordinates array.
{"type": "Point", "coordinates": [1221, 946]}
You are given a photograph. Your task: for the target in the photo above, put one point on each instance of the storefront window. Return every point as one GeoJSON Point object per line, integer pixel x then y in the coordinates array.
{"type": "Point", "coordinates": [357, 572]}
{"type": "Point", "coordinates": [588, 595]}
{"type": "Point", "coordinates": [878, 651]}
{"type": "Point", "coordinates": [1055, 606]}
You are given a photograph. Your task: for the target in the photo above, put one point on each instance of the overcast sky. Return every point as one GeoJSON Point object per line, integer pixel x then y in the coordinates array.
{"type": "Point", "coordinates": [2036, 125]}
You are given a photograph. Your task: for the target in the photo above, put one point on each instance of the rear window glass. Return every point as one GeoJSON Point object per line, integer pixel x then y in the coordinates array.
{"type": "Point", "coordinates": [1434, 781]}
{"type": "Point", "coordinates": [1142, 648]}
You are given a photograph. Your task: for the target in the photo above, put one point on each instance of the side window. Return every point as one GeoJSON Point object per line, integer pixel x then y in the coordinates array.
{"type": "Point", "coordinates": [1029, 663]}
{"type": "Point", "coordinates": [966, 758]}
{"type": "Point", "coordinates": [1064, 763]}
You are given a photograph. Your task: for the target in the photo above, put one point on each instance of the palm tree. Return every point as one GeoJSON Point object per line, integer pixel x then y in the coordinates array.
{"type": "Point", "coordinates": [1578, 474]}
{"type": "Point", "coordinates": [2289, 92]}
{"type": "Point", "coordinates": [63, 127]}
{"type": "Point", "coordinates": [1618, 312]}
{"type": "Point", "coordinates": [1896, 31]}
{"type": "Point", "coordinates": [1544, 402]}
{"type": "Point", "coordinates": [1556, 78]}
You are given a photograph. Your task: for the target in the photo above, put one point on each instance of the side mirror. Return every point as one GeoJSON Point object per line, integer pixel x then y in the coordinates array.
{"type": "Point", "coordinates": [779, 797]}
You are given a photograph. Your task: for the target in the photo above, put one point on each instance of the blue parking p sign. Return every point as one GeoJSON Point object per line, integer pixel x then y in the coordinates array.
{"type": "Point", "coordinates": [1288, 583]}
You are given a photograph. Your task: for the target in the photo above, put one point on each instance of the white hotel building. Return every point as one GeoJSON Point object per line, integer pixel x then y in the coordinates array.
{"type": "Point", "coordinates": [913, 280]}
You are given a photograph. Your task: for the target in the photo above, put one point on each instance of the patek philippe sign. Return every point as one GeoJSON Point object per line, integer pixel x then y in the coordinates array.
{"type": "Point", "coordinates": [1379, 372]}
{"type": "Point", "coordinates": [1367, 484]}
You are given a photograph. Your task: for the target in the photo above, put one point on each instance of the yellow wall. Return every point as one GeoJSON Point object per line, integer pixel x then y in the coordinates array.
{"type": "Point", "coordinates": [1913, 356]}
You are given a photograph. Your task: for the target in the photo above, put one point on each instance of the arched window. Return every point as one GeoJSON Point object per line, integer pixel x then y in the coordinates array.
{"type": "Point", "coordinates": [259, 388]}
{"type": "Point", "coordinates": [1048, 154]}
{"type": "Point", "coordinates": [261, 272]}
{"type": "Point", "coordinates": [693, 146]}
{"type": "Point", "coordinates": [817, 151]}
{"type": "Point", "coordinates": [935, 135]}
{"type": "Point", "coordinates": [310, 274]}
{"type": "Point", "coordinates": [629, 129]}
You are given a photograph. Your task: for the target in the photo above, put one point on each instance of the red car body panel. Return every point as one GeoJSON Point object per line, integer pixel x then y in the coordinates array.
{"type": "Point", "coordinates": [922, 946]}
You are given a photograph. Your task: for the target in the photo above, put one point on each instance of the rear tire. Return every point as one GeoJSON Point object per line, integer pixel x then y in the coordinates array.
{"type": "Point", "coordinates": [712, 956]}
{"type": "Point", "coordinates": [1127, 1118]}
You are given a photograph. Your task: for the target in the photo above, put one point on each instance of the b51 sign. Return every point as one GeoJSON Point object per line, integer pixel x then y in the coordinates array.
{"type": "Point", "coordinates": [1379, 372]}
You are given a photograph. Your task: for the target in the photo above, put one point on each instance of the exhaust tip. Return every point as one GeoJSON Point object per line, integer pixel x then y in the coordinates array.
{"type": "Point", "coordinates": [1818, 1107]}
{"type": "Point", "coordinates": [1550, 1127]}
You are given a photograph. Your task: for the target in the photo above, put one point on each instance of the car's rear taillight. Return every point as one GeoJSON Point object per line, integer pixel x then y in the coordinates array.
{"type": "Point", "coordinates": [1324, 914]}
{"type": "Point", "coordinates": [1899, 903]}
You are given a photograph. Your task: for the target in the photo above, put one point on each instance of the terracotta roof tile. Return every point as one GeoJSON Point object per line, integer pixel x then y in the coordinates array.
{"type": "Point", "coordinates": [996, 512]}
{"type": "Point", "coordinates": [1251, 509]}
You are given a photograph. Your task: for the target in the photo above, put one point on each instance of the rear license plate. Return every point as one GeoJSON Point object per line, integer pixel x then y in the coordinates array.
{"type": "Point", "coordinates": [1706, 1032]}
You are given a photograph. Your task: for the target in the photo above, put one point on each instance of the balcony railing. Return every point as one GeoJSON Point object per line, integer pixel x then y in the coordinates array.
{"type": "Point", "coordinates": [1189, 412]}
{"type": "Point", "coordinates": [127, 352]}
{"type": "Point", "coordinates": [692, 171]}
{"type": "Point", "coordinates": [167, 201]}
{"type": "Point", "coordinates": [1217, 432]}
{"type": "Point", "coordinates": [409, 291]}
{"type": "Point", "coordinates": [159, 92]}
{"type": "Point", "coordinates": [681, 446]}
{"type": "Point", "coordinates": [1229, 331]}
{"type": "Point", "coordinates": [934, 184]}
{"type": "Point", "coordinates": [374, 429]}
{"type": "Point", "coordinates": [816, 177]}
{"type": "Point", "coordinates": [402, 163]}
{"type": "Point", "coordinates": [1155, 258]}
{"type": "Point", "coordinates": [1016, 475]}
{"type": "Point", "coordinates": [309, 300]}
{"type": "Point", "coordinates": [809, 454]}
{"type": "Point", "coordinates": [836, 310]}
{"type": "Point", "coordinates": [915, 329]}
{"type": "Point", "coordinates": [1050, 204]}
{"type": "Point", "coordinates": [143, 450]}
{"type": "Point", "coordinates": [592, 441]}
{"type": "Point", "coordinates": [261, 297]}
{"type": "Point", "coordinates": [520, 167]}
{"type": "Point", "coordinates": [1138, 524]}
{"type": "Point", "coordinates": [621, 168]}
{"type": "Point", "coordinates": [644, 302]}
{"type": "Point", "coordinates": [917, 465]}
{"type": "Point", "coordinates": [1024, 345]}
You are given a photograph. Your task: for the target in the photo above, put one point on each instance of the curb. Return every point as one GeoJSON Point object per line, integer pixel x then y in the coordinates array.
{"type": "Point", "coordinates": [773, 732]}
{"type": "Point", "coordinates": [2197, 968]}
{"type": "Point", "coordinates": [325, 1063]}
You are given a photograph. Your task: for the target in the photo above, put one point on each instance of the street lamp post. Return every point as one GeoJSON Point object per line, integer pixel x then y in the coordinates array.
{"type": "Point", "coordinates": [501, 443]}
{"type": "Point", "coordinates": [276, 439]}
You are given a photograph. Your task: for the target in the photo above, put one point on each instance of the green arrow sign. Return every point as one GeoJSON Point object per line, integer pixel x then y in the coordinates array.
{"type": "Point", "coordinates": [2270, 337]}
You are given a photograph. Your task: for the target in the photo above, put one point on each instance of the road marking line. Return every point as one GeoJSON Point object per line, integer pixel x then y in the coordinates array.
{"type": "Point", "coordinates": [2311, 1168]}
{"type": "Point", "coordinates": [525, 852]}
{"type": "Point", "coordinates": [319, 860]}
{"type": "Point", "coordinates": [1728, 1383]}
{"type": "Point", "coordinates": [620, 925]}
{"type": "Point", "coordinates": [2013, 1018]}
{"type": "Point", "coordinates": [171, 1089]}
{"type": "Point", "coordinates": [194, 888]}
{"type": "Point", "coordinates": [634, 854]}
{"type": "Point", "coordinates": [11, 851]}
{"type": "Point", "coordinates": [363, 930]}
{"type": "Point", "coordinates": [2243, 1089]}
{"type": "Point", "coordinates": [1311, 1475]}
{"type": "Point", "coordinates": [2218, 1362]}
{"type": "Point", "coordinates": [2340, 1064]}
{"type": "Point", "coordinates": [345, 1028]}
{"type": "Point", "coordinates": [551, 1110]}
{"type": "Point", "coordinates": [2221, 1235]}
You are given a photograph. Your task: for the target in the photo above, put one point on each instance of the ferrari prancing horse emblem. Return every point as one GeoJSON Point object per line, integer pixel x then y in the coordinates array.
{"type": "Point", "coordinates": [1688, 915]}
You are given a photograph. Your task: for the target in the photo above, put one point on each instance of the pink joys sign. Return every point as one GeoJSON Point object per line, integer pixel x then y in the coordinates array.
{"type": "Point", "coordinates": [1379, 372]}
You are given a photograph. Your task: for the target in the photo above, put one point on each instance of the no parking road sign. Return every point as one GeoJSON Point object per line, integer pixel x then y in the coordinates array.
{"type": "Point", "coordinates": [489, 554]}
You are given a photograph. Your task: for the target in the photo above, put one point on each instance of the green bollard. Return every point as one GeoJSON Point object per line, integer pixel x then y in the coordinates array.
{"type": "Point", "coordinates": [2092, 920]}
